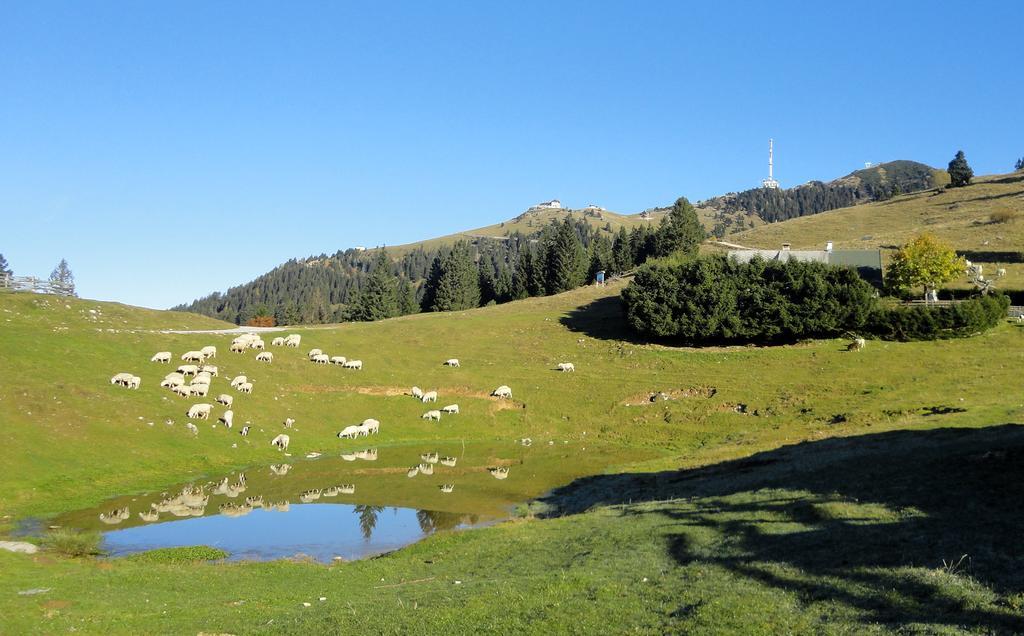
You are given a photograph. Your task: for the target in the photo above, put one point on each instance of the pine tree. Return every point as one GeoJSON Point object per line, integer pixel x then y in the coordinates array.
{"type": "Point", "coordinates": [680, 231]}
{"type": "Point", "coordinates": [63, 276]}
{"type": "Point", "coordinates": [601, 256]}
{"type": "Point", "coordinates": [455, 282]}
{"type": "Point", "coordinates": [565, 265]}
{"type": "Point", "coordinates": [5, 269]}
{"type": "Point", "coordinates": [960, 174]}
{"type": "Point", "coordinates": [379, 297]}
{"type": "Point", "coordinates": [622, 258]}
{"type": "Point", "coordinates": [407, 299]}
{"type": "Point", "coordinates": [316, 312]}
{"type": "Point", "coordinates": [520, 287]}
{"type": "Point", "coordinates": [1019, 165]}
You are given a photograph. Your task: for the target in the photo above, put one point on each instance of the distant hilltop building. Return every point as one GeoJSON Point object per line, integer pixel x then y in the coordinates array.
{"type": "Point", "coordinates": [770, 182]}
{"type": "Point", "coordinates": [553, 204]}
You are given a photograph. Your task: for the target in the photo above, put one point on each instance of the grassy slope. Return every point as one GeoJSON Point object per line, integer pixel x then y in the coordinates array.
{"type": "Point", "coordinates": [959, 216]}
{"type": "Point", "coordinates": [780, 551]}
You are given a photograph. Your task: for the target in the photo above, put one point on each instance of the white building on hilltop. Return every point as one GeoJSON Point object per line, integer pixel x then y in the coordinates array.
{"type": "Point", "coordinates": [553, 204]}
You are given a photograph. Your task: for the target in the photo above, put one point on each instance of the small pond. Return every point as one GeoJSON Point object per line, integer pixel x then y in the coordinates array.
{"type": "Point", "coordinates": [356, 503]}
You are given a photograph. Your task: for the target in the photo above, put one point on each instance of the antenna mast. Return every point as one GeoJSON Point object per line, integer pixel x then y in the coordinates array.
{"type": "Point", "coordinates": [770, 182]}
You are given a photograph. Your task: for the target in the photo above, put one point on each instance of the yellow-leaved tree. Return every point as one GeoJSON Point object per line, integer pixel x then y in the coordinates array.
{"type": "Point", "coordinates": [924, 263]}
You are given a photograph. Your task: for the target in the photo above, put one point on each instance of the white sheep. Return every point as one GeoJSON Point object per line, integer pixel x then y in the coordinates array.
{"type": "Point", "coordinates": [265, 356]}
{"type": "Point", "coordinates": [202, 390]}
{"type": "Point", "coordinates": [353, 364]}
{"type": "Point", "coordinates": [566, 366]}
{"type": "Point", "coordinates": [281, 442]}
{"type": "Point", "coordinates": [246, 388]}
{"type": "Point", "coordinates": [293, 340]}
{"type": "Point", "coordinates": [322, 358]}
{"type": "Point", "coordinates": [289, 422]}
{"type": "Point", "coordinates": [238, 381]}
{"type": "Point", "coordinates": [338, 360]}
{"type": "Point", "coordinates": [161, 356]}
{"type": "Point", "coordinates": [121, 378]}
{"type": "Point", "coordinates": [451, 362]}
{"type": "Point", "coordinates": [170, 383]}
{"type": "Point", "coordinates": [202, 378]}
{"type": "Point", "coordinates": [856, 345]}
{"type": "Point", "coordinates": [245, 431]}
{"type": "Point", "coordinates": [183, 390]}
{"type": "Point", "coordinates": [426, 469]}
{"type": "Point", "coordinates": [199, 411]}
{"type": "Point", "coordinates": [210, 369]}
{"type": "Point", "coordinates": [258, 344]}
{"type": "Point", "coordinates": [502, 392]}
{"type": "Point", "coordinates": [432, 415]}
{"type": "Point", "coordinates": [350, 432]}
{"type": "Point", "coordinates": [451, 409]}
{"type": "Point", "coordinates": [430, 458]}
{"type": "Point", "coordinates": [500, 472]}
{"type": "Point", "coordinates": [447, 487]}
{"type": "Point", "coordinates": [239, 347]}
{"type": "Point", "coordinates": [313, 353]}
{"type": "Point", "coordinates": [209, 351]}
{"type": "Point", "coordinates": [370, 426]}
{"type": "Point", "coordinates": [188, 369]}
{"type": "Point", "coordinates": [417, 392]}
{"type": "Point", "coordinates": [134, 382]}
{"type": "Point", "coordinates": [225, 399]}
{"type": "Point", "coordinates": [1001, 272]}
{"type": "Point", "coordinates": [429, 396]}
{"type": "Point", "coordinates": [415, 470]}
{"type": "Point", "coordinates": [449, 461]}
{"type": "Point", "coordinates": [277, 342]}
{"type": "Point", "coordinates": [193, 356]}
{"type": "Point", "coordinates": [192, 428]}
{"type": "Point", "coordinates": [227, 419]}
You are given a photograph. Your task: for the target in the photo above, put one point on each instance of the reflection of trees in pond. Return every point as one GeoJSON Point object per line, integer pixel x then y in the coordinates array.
{"type": "Point", "coordinates": [367, 518]}
{"type": "Point", "coordinates": [434, 520]}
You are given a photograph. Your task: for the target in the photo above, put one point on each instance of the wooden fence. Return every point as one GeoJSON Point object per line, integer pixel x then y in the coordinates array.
{"type": "Point", "coordinates": [37, 285]}
{"type": "Point", "coordinates": [1012, 311]}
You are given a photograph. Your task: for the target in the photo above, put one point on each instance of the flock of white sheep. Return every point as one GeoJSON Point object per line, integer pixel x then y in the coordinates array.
{"type": "Point", "coordinates": [194, 378]}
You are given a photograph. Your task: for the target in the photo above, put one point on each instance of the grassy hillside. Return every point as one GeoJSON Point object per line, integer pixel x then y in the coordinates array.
{"type": "Point", "coordinates": [961, 216]}
{"type": "Point", "coordinates": [739, 546]}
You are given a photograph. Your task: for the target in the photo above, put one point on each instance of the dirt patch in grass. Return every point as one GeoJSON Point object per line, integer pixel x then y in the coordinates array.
{"type": "Point", "coordinates": [653, 397]}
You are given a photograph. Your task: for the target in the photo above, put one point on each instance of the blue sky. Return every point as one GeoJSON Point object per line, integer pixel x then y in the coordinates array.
{"type": "Point", "coordinates": [168, 150]}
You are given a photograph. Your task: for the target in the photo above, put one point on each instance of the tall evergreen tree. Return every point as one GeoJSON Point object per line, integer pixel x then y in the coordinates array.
{"type": "Point", "coordinates": [5, 269]}
{"type": "Point", "coordinates": [379, 297]}
{"type": "Point", "coordinates": [455, 283]}
{"type": "Point", "coordinates": [520, 287]}
{"type": "Point", "coordinates": [316, 311]}
{"type": "Point", "coordinates": [960, 174]}
{"type": "Point", "coordinates": [565, 265]}
{"type": "Point", "coordinates": [622, 254]}
{"type": "Point", "coordinates": [62, 275]}
{"type": "Point", "coordinates": [407, 299]}
{"type": "Point", "coordinates": [601, 256]}
{"type": "Point", "coordinates": [680, 231]}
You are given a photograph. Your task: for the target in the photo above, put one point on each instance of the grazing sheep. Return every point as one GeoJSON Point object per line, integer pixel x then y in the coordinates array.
{"type": "Point", "coordinates": [350, 432]}
{"type": "Point", "coordinates": [451, 362]}
{"type": "Point", "coordinates": [415, 470]}
{"type": "Point", "coordinates": [245, 431]}
{"type": "Point", "coordinates": [202, 378]}
{"type": "Point", "coordinates": [417, 392]}
{"type": "Point", "coordinates": [370, 426]}
{"type": "Point", "coordinates": [449, 461]}
{"type": "Point", "coordinates": [135, 382]}
{"type": "Point", "coordinates": [500, 472]}
{"type": "Point", "coordinates": [1001, 272]}
{"type": "Point", "coordinates": [281, 442]}
{"type": "Point", "coordinates": [227, 419]}
{"type": "Point", "coordinates": [121, 378]}
{"type": "Point", "coordinates": [566, 366]}
{"type": "Point", "coordinates": [502, 392]}
{"type": "Point", "coordinates": [193, 356]}
{"type": "Point", "coordinates": [322, 358]}
{"type": "Point", "coordinates": [265, 356]}
{"type": "Point", "coordinates": [856, 345]}
{"type": "Point", "coordinates": [451, 409]}
{"type": "Point", "coordinates": [258, 344]}
{"type": "Point", "coordinates": [199, 411]}
{"type": "Point", "coordinates": [238, 381]}
{"type": "Point", "coordinates": [280, 469]}
{"type": "Point", "coordinates": [192, 428]}
{"type": "Point", "coordinates": [277, 342]}
{"type": "Point", "coordinates": [188, 369]}
{"type": "Point", "coordinates": [338, 360]}
{"type": "Point", "coordinates": [313, 353]}
{"type": "Point", "coordinates": [426, 469]}
{"type": "Point", "coordinates": [211, 369]}
{"type": "Point", "coordinates": [182, 390]}
{"type": "Point", "coordinates": [447, 487]}
{"type": "Point", "coordinates": [170, 383]}
{"type": "Point", "coordinates": [431, 415]}
{"type": "Point", "coordinates": [429, 396]}
{"type": "Point", "coordinates": [430, 458]}
{"type": "Point", "coordinates": [209, 351]}
{"type": "Point", "coordinates": [245, 388]}
{"type": "Point", "coordinates": [289, 422]}
{"type": "Point", "coordinates": [238, 347]}
{"type": "Point", "coordinates": [201, 390]}
{"type": "Point", "coordinates": [161, 356]}
{"type": "Point", "coordinates": [225, 399]}
{"type": "Point", "coordinates": [353, 364]}
{"type": "Point", "coordinates": [293, 340]}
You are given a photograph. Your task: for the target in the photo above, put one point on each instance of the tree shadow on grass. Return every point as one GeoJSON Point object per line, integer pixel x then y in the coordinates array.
{"type": "Point", "coordinates": [866, 521]}
{"type": "Point", "coordinates": [601, 319]}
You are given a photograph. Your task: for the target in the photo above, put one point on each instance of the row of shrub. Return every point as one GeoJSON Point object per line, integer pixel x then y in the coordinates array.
{"type": "Point", "coordinates": [922, 322]}
{"type": "Point", "coordinates": [716, 300]}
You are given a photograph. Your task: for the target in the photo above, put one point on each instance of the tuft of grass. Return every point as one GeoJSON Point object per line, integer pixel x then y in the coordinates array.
{"type": "Point", "coordinates": [73, 543]}
{"type": "Point", "coordinates": [1002, 216]}
{"type": "Point", "coordinates": [186, 554]}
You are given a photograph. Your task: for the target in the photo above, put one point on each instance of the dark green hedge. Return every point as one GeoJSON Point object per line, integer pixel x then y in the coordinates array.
{"type": "Point", "coordinates": [921, 322]}
{"type": "Point", "coordinates": [714, 299]}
